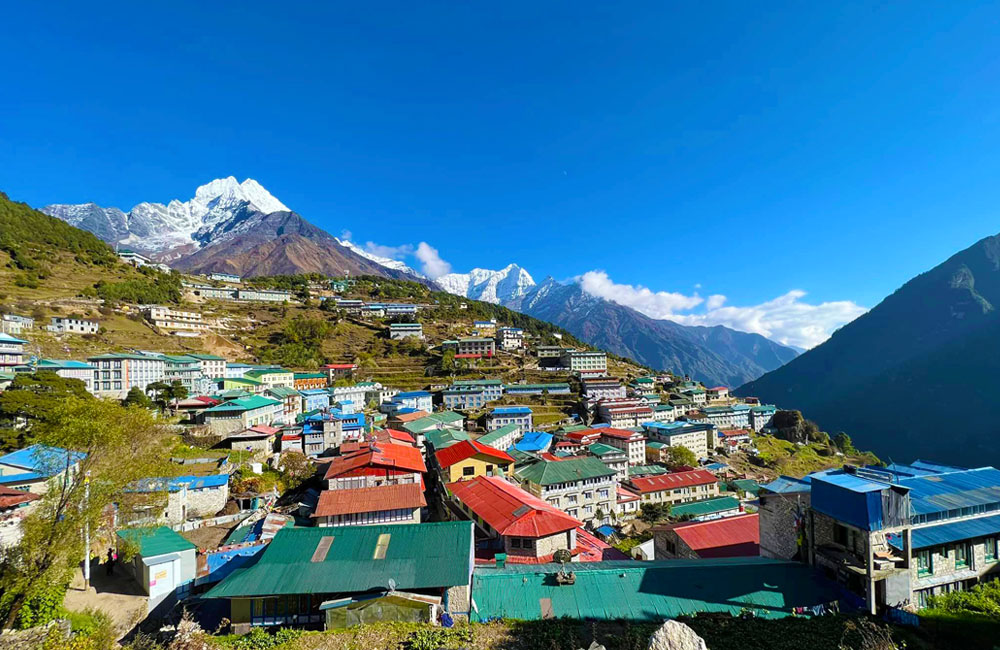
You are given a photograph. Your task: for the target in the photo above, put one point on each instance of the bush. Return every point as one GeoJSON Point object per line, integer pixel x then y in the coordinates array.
{"type": "Point", "coordinates": [261, 639]}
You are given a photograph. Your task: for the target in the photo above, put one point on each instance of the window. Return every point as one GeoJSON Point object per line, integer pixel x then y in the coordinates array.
{"type": "Point", "coordinates": [961, 555]}
{"type": "Point", "coordinates": [990, 547]}
{"type": "Point", "coordinates": [840, 535]}
{"type": "Point", "coordinates": [515, 542]}
{"type": "Point", "coordinates": [528, 543]}
{"type": "Point", "coordinates": [925, 563]}
{"type": "Point", "coordinates": [468, 471]}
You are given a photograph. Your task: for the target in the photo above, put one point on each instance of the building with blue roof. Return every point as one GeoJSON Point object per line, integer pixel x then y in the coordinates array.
{"type": "Point", "coordinates": [534, 442]}
{"type": "Point", "coordinates": [419, 400]}
{"type": "Point", "coordinates": [34, 467]}
{"type": "Point", "coordinates": [314, 399]}
{"type": "Point", "coordinates": [188, 497]}
{"type": "Point", "coordinates": [11, 351]}
{"type": "Point", "coordinates": [896, 534]}
{"type": "Point", "coordinates": [502, 416]}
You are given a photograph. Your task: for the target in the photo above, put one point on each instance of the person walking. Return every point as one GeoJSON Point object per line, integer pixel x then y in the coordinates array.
{"type": "Point", "coordinates": [110, 564]}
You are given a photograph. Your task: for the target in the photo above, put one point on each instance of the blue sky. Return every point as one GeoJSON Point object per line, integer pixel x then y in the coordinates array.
{"type": "Point", "coordinates": [696, 149]}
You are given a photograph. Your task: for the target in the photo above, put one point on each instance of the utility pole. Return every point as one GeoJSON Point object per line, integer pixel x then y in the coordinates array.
{"type": "Point", "coordinates": [86, 531]}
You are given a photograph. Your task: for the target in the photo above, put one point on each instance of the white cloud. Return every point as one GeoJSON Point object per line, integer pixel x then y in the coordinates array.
{"type": "Point", "coordinates": [785, 319]}
{"type": "Point", "coordinates": [433, 266]}
{"type": "Point", "coordinates": [659, 304]}
{"type": "Point", "coordinates": [714, 301]}
{"type": "Point", "coordinates": [392, 252]}
{"type": "Point", "coordinates": [346, 235]}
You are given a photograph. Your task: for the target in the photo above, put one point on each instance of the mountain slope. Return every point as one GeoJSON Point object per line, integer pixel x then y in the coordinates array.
{"type": "Point", "coordinates": [715, 355]}
{"type": "Point", "coordinates": [252, 243]}
{"type": "Point", "coordinates": [916, 375]}
{"type": "Point", "coordinates": [230, 227]}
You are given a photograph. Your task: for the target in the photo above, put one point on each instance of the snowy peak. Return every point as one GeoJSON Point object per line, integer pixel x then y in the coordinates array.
{"type": "Point", "coordinates": [497, 287]}
{"type": "Point", "coordinates": [387, 262]}
{"type": "Point", "coordinates": [159, 228]}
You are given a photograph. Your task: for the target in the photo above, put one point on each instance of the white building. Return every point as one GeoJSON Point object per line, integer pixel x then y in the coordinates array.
{"type": "Point", "coordinates": [61, 325]}
{"type": "Point", "coordinates": [510, 338]}
{"type": "Point", "coordinates": [175, 321]}
{"type": "Point", "coordinates": [115, 374]}
{"type": "Point", "coordinates": [586, 362]}
{"type": "Point", "coordinates": [399, 331]}
{"type": "Point", "coordinates": [11, 351]}
{"type": "Point", "coordinates": [69, 370]}
{"type": "Point", "coordinates": [16, 325]}
{"type": "Point", "coordinates": [505, 415]}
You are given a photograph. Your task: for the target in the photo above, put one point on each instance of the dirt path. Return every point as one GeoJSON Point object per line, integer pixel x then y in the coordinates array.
{"type": "Point", "coordinates": [118, 596]}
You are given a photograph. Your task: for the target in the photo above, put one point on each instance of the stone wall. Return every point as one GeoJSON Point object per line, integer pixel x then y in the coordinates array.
{"type": "Point", "coordinates": [778, 534]}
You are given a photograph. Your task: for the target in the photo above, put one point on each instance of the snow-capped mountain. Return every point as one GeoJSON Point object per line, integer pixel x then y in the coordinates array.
{"type": "Point", "coordinates": [158, 228]}
{"type": "Point", "coordinates": [231, 227]}
{"type": "Point", "coordinates": [509, 284]}
{"type": "Point", "coordinates": [387, 262]}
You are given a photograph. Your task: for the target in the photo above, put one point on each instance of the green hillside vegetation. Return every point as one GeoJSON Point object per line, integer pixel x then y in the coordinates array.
{"type": "Point", "coordinates": [30, 238]}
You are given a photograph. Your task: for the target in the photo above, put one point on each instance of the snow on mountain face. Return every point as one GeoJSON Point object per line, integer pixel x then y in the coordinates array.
{"type": "Point", "coordinates": [497, 287]}
{"type": "Point", "coordinates": [155, 227]}
{"type": "Point", "coordinates": [387, 262]}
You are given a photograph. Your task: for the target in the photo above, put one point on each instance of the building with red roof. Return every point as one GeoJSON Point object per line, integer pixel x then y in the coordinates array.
{"type": "Point", "coordinates": [512, 521]}
{"type": "Point", "coordinates": [632, 443]}
{"type": "Point", "coordinates": [395, 436]}
{"type": "Point", "coordinates": [368, 466]}
{"type": "Point", "coordinates": [335, 371]}
{"type": "Point", "coordinates": [383, 504]}
{"type": "Point", "coordinates": [676, 487]}
{"type": "Point", "coordinates": [737, 536]}
{"type": "Point", "coordinates": [627, 503]}
{"type": "Point", "coordinates": [468, 459]}
{"type": "Point", "coordinates": [622, 413]}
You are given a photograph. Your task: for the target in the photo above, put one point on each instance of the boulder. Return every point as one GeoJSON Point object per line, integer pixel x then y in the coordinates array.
{"type": "Point", "coordinates": [673, 635]}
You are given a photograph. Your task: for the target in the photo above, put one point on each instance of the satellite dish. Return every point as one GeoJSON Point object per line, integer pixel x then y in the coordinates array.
{"type": "Point", "coordinates": [392, 585]}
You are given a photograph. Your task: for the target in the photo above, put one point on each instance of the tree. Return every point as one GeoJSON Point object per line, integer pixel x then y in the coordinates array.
{"type": "Point", "coordinates": [136, 397]}
{"type": "Point", "coordinates": [35, 398]}
{"type": "Point", "coordinates": [297, 468]}
{"type": "Point", "coordinates": [164, 393]}
{"type": "Point", "coordinates": [652, 513]}
{"type": "Point", "coordinates": [680, 456]}
{"type": "Point", "coordinates": [843, 442]}
{"type": "Point", "coordinates": [106, 433]}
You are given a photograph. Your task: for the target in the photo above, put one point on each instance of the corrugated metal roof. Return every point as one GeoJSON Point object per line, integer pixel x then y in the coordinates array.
{"type": "Point", "coordinates": [467, 449]}
{"type": "Point", "coordinates": [737, 536]}
{"type": "Point", "coordinates": [672, 481]}
{"type": "Point", "coordinates": [705, 507]}
{"type": "Point", "coordinates": [416, 556]}
{"type": "Point", "coordinates": [955, 531]}
{"type": "Point", "coordinates": [649, 591]}
{"type": "Point", "coordinates": [510, 510]}
{"type": "Point", "coordinates": [564, 471]}
{"type": "Point", "coordinates": [42, 458]}
{"type": "Point", "coordinates": [369, 499]}
{"type": "Point", "coordinates": [158, 541]}
{"type": "Point", "coordinates": [788, 485]}
{"type": "Point", "coordinates": [953, 490]}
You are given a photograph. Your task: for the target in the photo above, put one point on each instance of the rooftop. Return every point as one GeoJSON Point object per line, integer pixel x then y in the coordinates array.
{"type": "Point", "coordinates": [158, 541]}
{"type": "Point", "coordinates": [649, 591]}
{"type": "Point", "coordinates": [548, 472]}
{"type": "Point", "coordinates": [510, 510]}
{"type": "Point", "coordinates": [672, 481]}
{"type": "Point", "coordinates": [467, 449]}
{"type": "Point", "coordinates": [737, 536]}
{"type": "Point", "coordinates": [369, 499]}
{"type": "Point", "coordinates": [355, 559]}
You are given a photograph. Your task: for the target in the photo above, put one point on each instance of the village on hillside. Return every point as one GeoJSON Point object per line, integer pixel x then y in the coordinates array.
{"type": "Point", "coordinates": [464, 469]}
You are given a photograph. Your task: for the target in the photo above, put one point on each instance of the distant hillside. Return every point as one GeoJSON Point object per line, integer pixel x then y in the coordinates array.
{"type": "Point", "coordinates": [714, 355]}
{"type": "Point", "coordinates": [228, 227]}
{"type": "Point", "coordinates": [252, 243]}
{"type": "Point", "coordinates": [32, 239]}
{"type": "Point", "coordinates": [918, 374]}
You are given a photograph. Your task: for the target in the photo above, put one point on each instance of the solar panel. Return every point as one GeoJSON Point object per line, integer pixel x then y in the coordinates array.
{"type": "Point", "coordinates": [521, 511]}
{"type": "Point", "coordinates": [322, 548]}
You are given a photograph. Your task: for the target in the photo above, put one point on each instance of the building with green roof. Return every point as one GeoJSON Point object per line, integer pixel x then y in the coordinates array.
{"type": "Point", "coordinates": [164, 565]}
{"type": "Point", "coordinates": [501, 438]}
{"type": "Point", "coordinates": [615, 458]}
{"type": "Point", "coordinates": [440, 438]}
{"type": "Point", "coordinates": [238, 414]}
{"type": "Point", "coordinates": [649, 591]}
{"type": "Point", "coordinates": [647, 470]}
{"type": "Point", "coordinates": [303, 567]}
{"type": "Point", "coordinates": [582, 487]}
{"type": "Point", "coordinates": [706, 508]}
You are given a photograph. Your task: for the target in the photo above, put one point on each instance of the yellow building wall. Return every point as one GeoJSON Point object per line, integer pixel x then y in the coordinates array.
{"type": "Point", "coordinates": [478, 464]}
